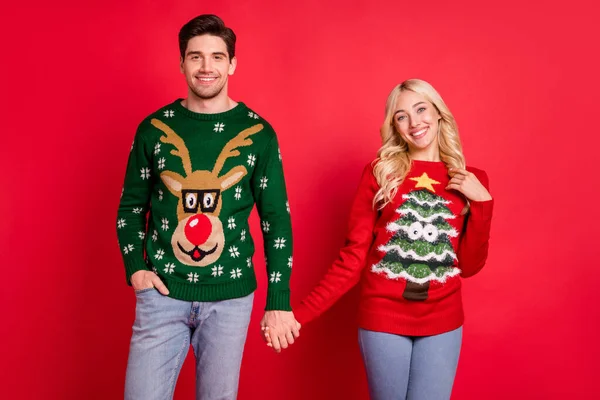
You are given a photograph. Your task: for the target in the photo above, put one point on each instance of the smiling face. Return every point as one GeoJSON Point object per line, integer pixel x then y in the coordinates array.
{"type": "Point", "coordinates": [206, 66]}
{"type": "Point", "coordinates": [417, 122]}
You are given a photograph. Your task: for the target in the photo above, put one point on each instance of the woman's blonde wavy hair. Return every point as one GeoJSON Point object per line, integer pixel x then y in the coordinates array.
{"type": "Point", "coordinates": [394, 160]}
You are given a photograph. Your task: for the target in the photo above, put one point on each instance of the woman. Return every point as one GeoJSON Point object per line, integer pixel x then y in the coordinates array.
{"type": "Point", "coordinates": [419, 222]}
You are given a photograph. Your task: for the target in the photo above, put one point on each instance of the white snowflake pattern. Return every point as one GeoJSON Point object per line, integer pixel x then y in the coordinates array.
{"type": "Point", "coordinates": [132, 143]}
{"type": "Point", "coordinates": [145, 173]}
{"type": "Point", "coordinates": [233, 252]}
{"type": "Point", "coordinates": [165, 224]}
{"type": "Point", "coordinates": [217, 271]}
{"type": "Point", "coordinates": [253, 115]}
{"type": "Point", "coordinates": [155, 270]}
{"type": "Point", "coordinates": [192, 277]}
{"type": "Point", "coordinates": [238, 192]}
{"type": "Point", "coordinates": [157, 148]}
{"type": "Point", "coordinates": [160, 195]}
{"type": "Point", "coordinates": [231, 223]}
{"type": "Point", "coordinates": [169, 268]}
{"type": "Point", "coordinates": [287, 206]}
{"type": "Point", "coordinates": [275, 277]}
{"type": "Point", "coordinates": [121, 223]}
{"type": "Point", "coordinates": [138, 210]}
{"type": "Point", "coordinates": [266, 226]}
{"type": "Point", "coordinates": [161, 163]}
{"type": "Point", "coordinates": [122, 191]}
{"type": "Point", "coordinates": [243, 233]}
{"type": "Point", "coordinates": [141, 235]}
{"type": "Point", "coordinates": [154, 236]}
{"type": "Point", "coordinates": [159, 254]}
{"type": "Point", "coordinates": [290, 261]}
{"type": "Point", "coordinates": [219, 126]}
{"type": "Point", "coordinates": [236, 273]}
{"type": "Point", "coordinates": [127, 249]}
{"type": "Point", "coordinates": [251, 160]}
{"type": "Point", "coordinates": [279, 152]}
{"type": "Point", "coordinates": [279, 243]}
{"type": "Point", "coordinates": [263, 182]}
{"type": "Point", "coordinates": [249, 262]}
{"type": "Point", "coordinates": [169, 113]}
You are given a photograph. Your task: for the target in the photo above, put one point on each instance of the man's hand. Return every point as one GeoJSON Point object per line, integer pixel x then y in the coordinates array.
{"type": "Point", "coordinates": [148, 279]}
{"type": "Point", "coordinates": [279, 329]}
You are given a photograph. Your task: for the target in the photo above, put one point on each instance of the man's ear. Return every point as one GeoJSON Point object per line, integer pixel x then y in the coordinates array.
{"type": "Point", "coordinates": [232, 65]}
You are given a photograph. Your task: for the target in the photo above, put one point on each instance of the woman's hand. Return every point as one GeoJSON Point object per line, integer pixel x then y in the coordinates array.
{"type": "Point", "coordinates": [467, 183]}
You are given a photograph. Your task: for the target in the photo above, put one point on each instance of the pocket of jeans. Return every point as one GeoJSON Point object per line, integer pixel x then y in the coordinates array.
{"type": "Point", "coordinates": [146, 290]}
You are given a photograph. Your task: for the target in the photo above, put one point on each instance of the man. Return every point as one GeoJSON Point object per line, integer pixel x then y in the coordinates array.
{"type": "Point", "coordinates": [197, 167]}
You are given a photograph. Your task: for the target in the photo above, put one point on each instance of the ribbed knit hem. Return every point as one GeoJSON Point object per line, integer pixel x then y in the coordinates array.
{"type": "Point", "coordinates": [133, 266]}
{"type": "Point", "coordinates": [278, 300]}
{"type": "Point", "coordinates": [215, 292]}
{"type": "Point", "coordinates": [238, 109]}
{"type": "Point", "coordinates": [407, 326]}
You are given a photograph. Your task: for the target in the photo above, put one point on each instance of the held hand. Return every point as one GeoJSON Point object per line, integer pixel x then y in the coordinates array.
{"type": "Point", "coordinates": [148, 279]}
{"type": "Point", "coordinates": [279, 329]}
{"type": "Point", "coordinates": [467, 183]}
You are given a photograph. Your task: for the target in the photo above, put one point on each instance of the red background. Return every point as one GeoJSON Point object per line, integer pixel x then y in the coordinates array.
{"type": "Point", "coordinates": [520, 78]}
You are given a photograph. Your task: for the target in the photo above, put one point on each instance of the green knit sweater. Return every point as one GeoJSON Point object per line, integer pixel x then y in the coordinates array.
{"type": "Point", "coordinates": [191, 182]}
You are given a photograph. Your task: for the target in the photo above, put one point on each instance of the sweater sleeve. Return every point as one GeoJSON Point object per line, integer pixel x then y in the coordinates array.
{"type": "Point", "coordinates": [474, 241]}
{"type": "Point", "coordinates": [268, 186]}
{"type": "Point", "coordinates": [345, 272]}
{"type": "Point", "coordinates": [134, 204]}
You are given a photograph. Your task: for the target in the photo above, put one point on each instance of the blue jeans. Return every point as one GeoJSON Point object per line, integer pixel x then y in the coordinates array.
{"type": "Point", "coordinates": [410, 367]}
{"type": "Point", "coordinates": [163, 330]}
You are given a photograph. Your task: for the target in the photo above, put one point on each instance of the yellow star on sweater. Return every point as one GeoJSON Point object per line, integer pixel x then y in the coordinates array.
{"type": "Point", "coordinates": [425, 181]}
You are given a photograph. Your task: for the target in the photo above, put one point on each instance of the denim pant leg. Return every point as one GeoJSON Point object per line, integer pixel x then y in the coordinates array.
{"type": "Point", "coordinates": [218, 343]}
{"type": "Point", "coordinates": [159, 344]}
{"type": "Point", "coordinates": [387, 362]}
{"type": "Point", "coordinates": [433, 366]}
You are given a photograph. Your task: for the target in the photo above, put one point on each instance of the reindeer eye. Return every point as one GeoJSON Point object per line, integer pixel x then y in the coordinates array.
{"type": "Point", "coordinates": [209, 200]}
{"type": "Point", "coordinates": [191, 199]}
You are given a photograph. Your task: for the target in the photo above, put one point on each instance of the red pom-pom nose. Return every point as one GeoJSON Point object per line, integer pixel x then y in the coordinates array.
{"type": "Point", "coordinates": [198, 229]}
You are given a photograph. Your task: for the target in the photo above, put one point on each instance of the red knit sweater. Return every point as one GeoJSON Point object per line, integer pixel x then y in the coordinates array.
{"type": "Point", "coordinates": [409, 256]}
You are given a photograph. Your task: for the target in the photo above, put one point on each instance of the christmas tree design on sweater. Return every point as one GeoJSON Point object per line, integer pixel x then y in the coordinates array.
{"type": "Point", "coordinates": [420, 250]}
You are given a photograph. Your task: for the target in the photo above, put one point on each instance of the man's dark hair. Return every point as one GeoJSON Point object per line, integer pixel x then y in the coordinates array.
{"type": "Point", "coordinates": [206, 24]}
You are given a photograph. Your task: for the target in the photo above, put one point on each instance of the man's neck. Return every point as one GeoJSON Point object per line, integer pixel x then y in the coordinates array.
{"type": "Point", "coordinates": [215, 105]}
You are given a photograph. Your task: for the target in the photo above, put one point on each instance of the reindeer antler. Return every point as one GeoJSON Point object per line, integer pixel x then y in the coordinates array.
{"type": "Point", "coordinates": [180, 150]}
{"type": "Point", "coordinates": [240, 140]}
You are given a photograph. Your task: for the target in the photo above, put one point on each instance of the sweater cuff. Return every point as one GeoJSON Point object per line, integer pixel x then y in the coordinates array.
{"type": "Point", "coordinates": [133, 266]}
{"type": "Point", "coordinates": [278, 300]}
{"type": "Point", "coordinates": [482, 210]}
{"type": "Point", "coordinates": [302, 314]}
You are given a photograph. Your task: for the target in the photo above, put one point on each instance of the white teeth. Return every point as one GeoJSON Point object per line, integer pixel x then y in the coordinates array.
{"type": "Point", "coordinates": [419, 133]}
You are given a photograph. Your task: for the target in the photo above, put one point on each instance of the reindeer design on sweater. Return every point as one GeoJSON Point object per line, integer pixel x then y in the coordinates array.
{"type": "Point", "coordinates": [199, 239]}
